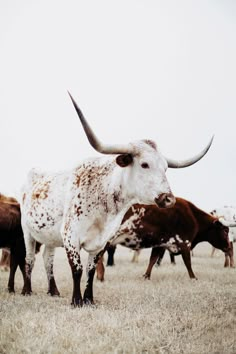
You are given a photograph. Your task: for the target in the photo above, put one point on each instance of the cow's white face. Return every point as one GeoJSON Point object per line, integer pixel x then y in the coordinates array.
{"type": "Point", "coordinates": [145, 176]}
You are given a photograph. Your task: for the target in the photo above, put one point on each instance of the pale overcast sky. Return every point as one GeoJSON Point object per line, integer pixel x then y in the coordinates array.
{"type": "Point", "coordinates": [164, 70]}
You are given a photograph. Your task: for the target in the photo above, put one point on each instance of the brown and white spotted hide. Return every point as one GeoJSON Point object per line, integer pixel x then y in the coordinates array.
{"type": "Point", "coordinates": [84, 207]}
{"type": "Point", "coordinates": [178, 229]}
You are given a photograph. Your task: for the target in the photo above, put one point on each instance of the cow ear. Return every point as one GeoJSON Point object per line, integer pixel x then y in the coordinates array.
{"type": "Point", "coordinates": [124, 160]}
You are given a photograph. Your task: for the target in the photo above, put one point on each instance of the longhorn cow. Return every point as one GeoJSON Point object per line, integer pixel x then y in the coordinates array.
{"type": "Point", "coordinates": [83, 208]}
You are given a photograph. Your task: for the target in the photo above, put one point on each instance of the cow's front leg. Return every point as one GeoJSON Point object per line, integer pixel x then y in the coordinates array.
{"type": "Point", "coordinates": [73, 256]}
{"type": "Point", "coordinates": [90, 270]}
{"type": "Point", "coordinates": [160, 256]}
{"type": "Point", "coordinates": [155, 254]}
{"type": "Point", "coordinates": [48, 257]}
{"type": "Point", "coordinates": [29, 263]}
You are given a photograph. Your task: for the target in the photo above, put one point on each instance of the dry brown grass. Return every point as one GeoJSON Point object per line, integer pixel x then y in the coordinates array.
{"type": "Point", "coordinates": [168, 314]}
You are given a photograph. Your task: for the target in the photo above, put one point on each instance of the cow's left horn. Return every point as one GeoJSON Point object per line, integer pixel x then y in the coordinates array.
{"type": "Point", "coordinates": [94, 141]}
{"type": "Point", "coordinates": [191, 161]}
{"type": "Point", "coordinates": [227, 223]}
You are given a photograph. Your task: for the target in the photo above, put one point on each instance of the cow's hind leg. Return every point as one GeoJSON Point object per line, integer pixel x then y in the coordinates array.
{"type": "Point", "coordinates": [13, 267]}
{"type": "Point", "coordinates": [76, 269]}
{"type": "Point", "coordinates": [48, 257]}
{"type": "Point", "coordinates": [100, 269]}
{"type": "Point", "coordinates": [231, 256]}
{"type": "Point", "coordinates": [90, 270]}
{"type": "Point", "coordinates": [29, 263]}
{"type": "Point", "coordinates": [187, 261]}
{"type": "Point", "coordinates": [110, 252]}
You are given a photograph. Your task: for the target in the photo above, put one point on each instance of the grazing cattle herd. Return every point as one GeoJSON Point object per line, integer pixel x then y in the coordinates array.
{"type": "Point", "coordinates": [122, 198]}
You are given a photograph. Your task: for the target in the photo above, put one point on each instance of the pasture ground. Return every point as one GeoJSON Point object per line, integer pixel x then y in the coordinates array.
{"type": "Point", "coordinates": [168, 314]}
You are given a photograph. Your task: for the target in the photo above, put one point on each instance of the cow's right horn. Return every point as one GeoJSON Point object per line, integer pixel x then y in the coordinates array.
{"type": "Point", "coordinates": [190, 161]}
{"type": "Point", "coordinates": [94, 141]}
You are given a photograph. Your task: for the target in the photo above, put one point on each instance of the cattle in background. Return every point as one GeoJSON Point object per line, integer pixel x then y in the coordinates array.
{"type": "Point", "coordinates": [178, 229]}
{"type": "Point", "coordinates": [112, 248]}
{"type": "Point", "coordinates": [11, 236]}
{"type": "Point", "coordinates": [5, 260]}
{"type": "Point", "coordinates": [228, 214]}
{"type": "Point", "coordinates": [84, 207]}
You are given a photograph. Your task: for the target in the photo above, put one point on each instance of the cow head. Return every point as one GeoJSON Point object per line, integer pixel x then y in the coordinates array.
{"type": "Point", "coordinates": [143, 166]}
{"type": "Point", "coordinates": [218, 236]}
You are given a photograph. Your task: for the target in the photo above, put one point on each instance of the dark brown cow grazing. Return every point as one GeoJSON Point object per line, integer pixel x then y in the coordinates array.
{"type": "Point", "coordinates": [178, 229]}
{"type": "Point", "coordinates": [11, 236]}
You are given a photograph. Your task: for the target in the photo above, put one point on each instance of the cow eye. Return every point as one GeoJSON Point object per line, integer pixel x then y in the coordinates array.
{"type": "Point", "coordinates": [145, 165]}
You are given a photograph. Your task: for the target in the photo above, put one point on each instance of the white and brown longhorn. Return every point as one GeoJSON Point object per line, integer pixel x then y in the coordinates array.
{"type": "Point", "coordinates": [83, 208]}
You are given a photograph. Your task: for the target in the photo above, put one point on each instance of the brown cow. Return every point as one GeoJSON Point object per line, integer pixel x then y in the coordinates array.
{"type": "Point", "coordinates": [178, 229]}
{"type": "Point", "coordinates": [11, 236]}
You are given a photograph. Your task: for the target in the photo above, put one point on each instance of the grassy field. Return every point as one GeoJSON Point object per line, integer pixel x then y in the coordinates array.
{"type": "Point", "coordinates": [168, 314]}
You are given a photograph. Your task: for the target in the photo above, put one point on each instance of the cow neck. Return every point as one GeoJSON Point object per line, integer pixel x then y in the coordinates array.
{"type": "Point", "coordinates": [203, 219]}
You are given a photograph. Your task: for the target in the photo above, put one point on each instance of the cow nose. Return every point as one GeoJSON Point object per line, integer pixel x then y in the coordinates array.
{"type": "Point", "coordinates": [165, 200]}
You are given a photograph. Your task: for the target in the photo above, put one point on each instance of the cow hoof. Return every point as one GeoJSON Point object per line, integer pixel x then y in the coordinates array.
{"type": "Point", "coordinates": [146, 276]}
{"type": "Point", "coordinates": [26, 292]}
{"type": "Point", "coordinates": [89, 302]}
{"type": "Point", "coordinates": [11, 291]}
{"type": "Point", "coordinates": [77, 303]}
{"type": "Point", "coordinates": [53, 293]}
{"type": "Point", "coordinates": [100, 279]}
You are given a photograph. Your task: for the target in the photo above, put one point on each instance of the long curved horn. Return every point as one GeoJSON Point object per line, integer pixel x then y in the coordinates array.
{"type": "Point", "coordinates": [190, 161]}
{"type": "Point", "coordinates": [226, 222]}
{"type": "Point", "coordinates": [94, 141]}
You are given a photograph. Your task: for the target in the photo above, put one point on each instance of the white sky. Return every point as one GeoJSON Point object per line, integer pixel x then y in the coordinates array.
{"type": "Point", "coordinates": [164, 70]}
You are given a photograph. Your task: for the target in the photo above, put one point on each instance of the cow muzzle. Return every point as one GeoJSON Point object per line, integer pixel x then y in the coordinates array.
{"type": "Point", "coordinates": [165, 200]}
